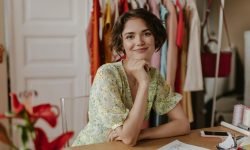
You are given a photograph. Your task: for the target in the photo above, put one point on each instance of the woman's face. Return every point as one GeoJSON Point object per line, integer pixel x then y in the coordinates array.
{"type": "Point", "coordinates": [138, 40]}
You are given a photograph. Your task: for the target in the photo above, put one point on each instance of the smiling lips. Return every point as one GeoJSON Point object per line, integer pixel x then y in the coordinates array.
{"type": "Point", "coordinates": [141, 50]}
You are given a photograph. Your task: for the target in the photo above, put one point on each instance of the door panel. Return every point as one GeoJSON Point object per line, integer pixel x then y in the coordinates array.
{"type": "Point", "coordinates": [48, 49]}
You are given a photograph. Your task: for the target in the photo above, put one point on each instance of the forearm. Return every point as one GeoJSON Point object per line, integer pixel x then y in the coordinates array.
{"type": "Point", "coordinates": [178, 125]}
{"type": "Point", "coordinates": [130, 130]}
{"type": "Point", "coordinates": [173, 128]}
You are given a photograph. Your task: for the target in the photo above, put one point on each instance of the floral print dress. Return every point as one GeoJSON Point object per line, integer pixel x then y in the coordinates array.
{"type": "Point", "coordinates": [110, 102]}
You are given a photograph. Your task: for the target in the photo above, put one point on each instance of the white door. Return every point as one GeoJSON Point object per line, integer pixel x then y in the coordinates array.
{"type": "Point", "coordinates": [46, 42]}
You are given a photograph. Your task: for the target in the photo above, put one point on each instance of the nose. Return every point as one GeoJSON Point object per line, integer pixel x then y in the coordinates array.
{"type": "Point", "coordinates": [140, 41]}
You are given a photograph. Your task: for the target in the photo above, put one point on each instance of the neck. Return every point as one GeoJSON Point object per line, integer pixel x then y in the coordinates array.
{"type": "Point", "coordinates": [131, 78]}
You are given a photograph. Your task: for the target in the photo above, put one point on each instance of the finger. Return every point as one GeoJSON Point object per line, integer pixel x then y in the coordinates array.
{"type": "Point", "coordinates": [146, 67]}
{"type": "Point", "coordinates": [109, 132]}
{"type": "Point", "coordinates": [118, 138]}
{"type": "Point", "coordinates": [110, 135]}
{"type": "Point", "coordinates": [114, 136]}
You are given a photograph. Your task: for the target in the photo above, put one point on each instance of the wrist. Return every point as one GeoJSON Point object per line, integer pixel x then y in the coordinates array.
{"type": "Point", "coordinates": [142, 134]}
{"type": "Point", "coordinates": [143, 83]}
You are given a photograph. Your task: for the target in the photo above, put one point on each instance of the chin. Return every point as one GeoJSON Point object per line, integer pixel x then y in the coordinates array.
{"type": "Point", "coordinates": [144, 58]}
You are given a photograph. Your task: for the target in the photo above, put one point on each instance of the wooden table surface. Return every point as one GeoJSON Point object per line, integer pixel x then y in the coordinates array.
{"type": "Point", "coordinates": [193, 138]}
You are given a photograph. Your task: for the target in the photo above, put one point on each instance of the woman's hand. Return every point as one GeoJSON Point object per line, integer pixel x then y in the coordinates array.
{"type": "Point", "coordinates": [112, 136]}
{"type": "Point", "coordinates": [139, 69]}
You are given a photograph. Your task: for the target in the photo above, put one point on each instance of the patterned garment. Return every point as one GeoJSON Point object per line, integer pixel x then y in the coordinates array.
{"type": "Point", "coordinates": [111, 100]}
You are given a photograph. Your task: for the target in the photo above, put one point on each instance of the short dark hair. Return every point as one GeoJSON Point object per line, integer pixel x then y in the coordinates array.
{"type": "Point", "coordinates": [154, 24]}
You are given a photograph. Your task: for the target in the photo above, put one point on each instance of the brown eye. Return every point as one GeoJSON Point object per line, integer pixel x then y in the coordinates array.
{"type": "Point", "coordinates": [129, 37]}
{"type": "Point", "coordinates": [148, 33]}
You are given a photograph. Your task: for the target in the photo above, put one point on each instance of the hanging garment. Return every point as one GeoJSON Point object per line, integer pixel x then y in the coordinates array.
{"type": "Point", "coordinates": [134, 4]}
{"type": "Point", "coordinates": [186, 100]}
{"type": "Point", "coordinates": [180, 34]}
{"type": "Point", "coordinates": [107, 28]}
{"type": "Point", "coordinates": [172, 51]}
{"type": "Point", "coordinates": [163, 66]}
{"type": "Point", "coordinates": [94, 40]}
{"type": "Point", "coordinates": [143, 4]}
{"type": "Point", "coordinates": [123, 6]}
{"type": "Point", "coordinates": [115, 14]}
{"type": "Point", "coordinates": [156, 58]}
{"type": "Point", "coordinates": [178, 82]}
{"type": "Point", "coordinates": [194, 80]}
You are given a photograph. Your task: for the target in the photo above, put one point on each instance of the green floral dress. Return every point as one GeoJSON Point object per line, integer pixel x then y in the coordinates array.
{"type": "Point", "coordinates": [111, 100]}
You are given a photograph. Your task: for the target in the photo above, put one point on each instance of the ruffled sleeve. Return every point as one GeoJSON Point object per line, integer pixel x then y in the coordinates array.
{"type": "Point", "coordinates": [165, 99]}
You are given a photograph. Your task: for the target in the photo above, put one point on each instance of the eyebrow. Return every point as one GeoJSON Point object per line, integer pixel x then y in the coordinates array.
{"type": "Point", "coordinates": [128, 33]}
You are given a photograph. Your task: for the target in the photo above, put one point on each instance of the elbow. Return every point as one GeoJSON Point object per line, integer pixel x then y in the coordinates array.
{"type": "Point", "coordinates": [129, 141]}
{"type": "Point", "coordinates": [186, 126]}
{"type": "Point", "coordinates": [128, 138]}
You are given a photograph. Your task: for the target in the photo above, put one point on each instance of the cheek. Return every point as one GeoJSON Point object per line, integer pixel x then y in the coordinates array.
{"type": "Point", "coordinates": [127, 45]}
{"type": "Point", "coordinates": [152, 43]}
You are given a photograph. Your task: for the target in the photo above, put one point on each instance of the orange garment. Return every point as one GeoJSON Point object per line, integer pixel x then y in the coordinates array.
{"type": "Point", "coordinates": [186, 100]}
{"type": "Point", "coordinates": [107, 28]}
{"type": "Point", "coordinates": [93, 39]}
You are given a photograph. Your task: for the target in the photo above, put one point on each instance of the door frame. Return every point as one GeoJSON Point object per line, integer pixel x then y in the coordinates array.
{"type": "Point", "coordinates": [9, 39]}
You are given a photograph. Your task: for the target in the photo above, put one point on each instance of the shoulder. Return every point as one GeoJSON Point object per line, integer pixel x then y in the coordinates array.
{"type": "Point", "coordinates": [108, 77]}
{"type": "Point", "coordinates": [109, 68]}
{"type": "Point", "coordinates": [110, 71]}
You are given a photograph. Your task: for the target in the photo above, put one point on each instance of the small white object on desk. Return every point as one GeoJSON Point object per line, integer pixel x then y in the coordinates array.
{"type": "Point", "coordinates": [177, 145]}
{"type": "Point", "coordinates": [228, 143]}
{"type": "Point", "coordinates": [246, 117]}
{"type": "Point", "coordinates": [230, 126]}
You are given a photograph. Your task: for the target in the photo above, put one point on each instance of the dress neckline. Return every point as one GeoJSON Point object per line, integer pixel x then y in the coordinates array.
{"type": "Point", "coordinates": [126, 82]}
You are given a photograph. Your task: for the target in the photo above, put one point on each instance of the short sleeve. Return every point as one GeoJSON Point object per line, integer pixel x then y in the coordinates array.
{"type": "Point", "coordinates": [165, 99]}
{"type": "Point", "coordinates": [106, 91]}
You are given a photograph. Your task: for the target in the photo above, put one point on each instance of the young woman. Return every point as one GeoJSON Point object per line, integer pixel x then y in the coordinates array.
{"type": "Point", "coordinates": [123, 93]}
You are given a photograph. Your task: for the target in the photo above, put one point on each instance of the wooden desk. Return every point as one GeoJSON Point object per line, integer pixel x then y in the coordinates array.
{"type": "Point", "coordinates": [193, 138]}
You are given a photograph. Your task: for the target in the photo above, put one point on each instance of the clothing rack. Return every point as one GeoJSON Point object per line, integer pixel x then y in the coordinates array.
{"type": "Point", "coordinates": [217, 60]}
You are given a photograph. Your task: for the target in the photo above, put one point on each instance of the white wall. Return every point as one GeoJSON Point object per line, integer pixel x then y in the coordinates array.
{"type": "Point", "coordinates": [3, 72]}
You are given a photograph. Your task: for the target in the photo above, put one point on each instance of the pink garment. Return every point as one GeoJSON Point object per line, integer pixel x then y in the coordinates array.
{"type": "Point", "coordinates": [156, 58]}
{"type": "Point", "coordinates": [172, 51]}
